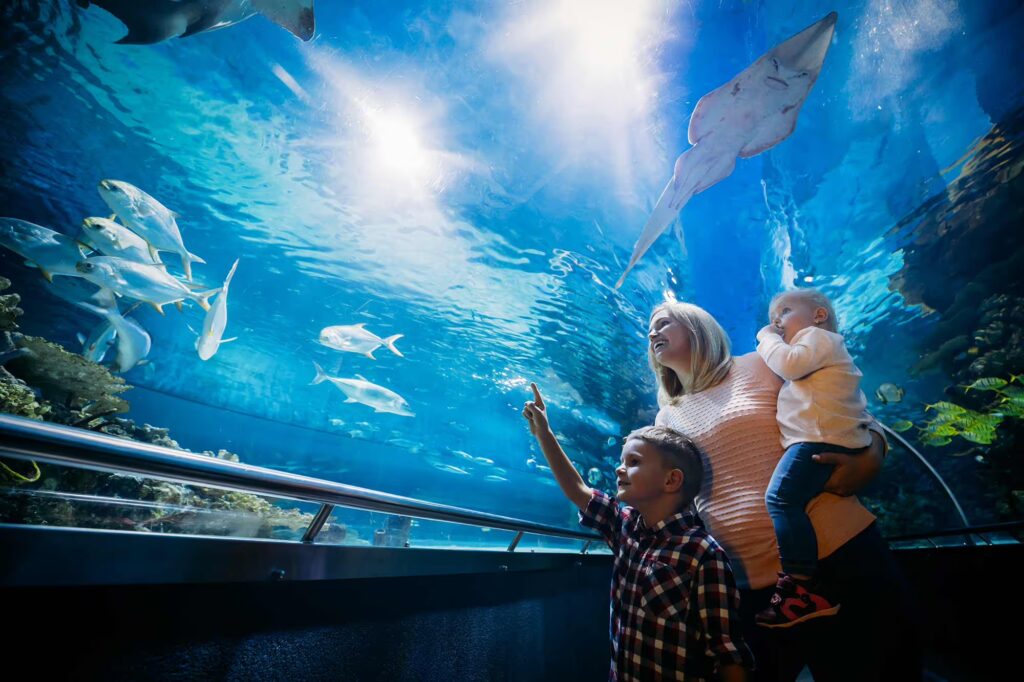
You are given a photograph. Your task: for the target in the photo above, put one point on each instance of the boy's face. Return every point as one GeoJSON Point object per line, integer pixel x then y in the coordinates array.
{"type": "Point", "coordinates": [791, 314]}
{"type": "Point", "coordinates": [642, 475]}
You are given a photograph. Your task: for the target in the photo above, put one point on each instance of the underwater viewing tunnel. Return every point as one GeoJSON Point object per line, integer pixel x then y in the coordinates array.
{"type": "Point", "coordinates": [538, 312]}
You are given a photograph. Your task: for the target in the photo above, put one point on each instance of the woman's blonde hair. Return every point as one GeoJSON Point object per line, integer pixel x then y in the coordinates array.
{"type": "Point", "coordinates": [710, 355]}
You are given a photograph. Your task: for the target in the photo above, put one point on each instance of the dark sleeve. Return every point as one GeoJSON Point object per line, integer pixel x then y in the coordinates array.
{"type": "Point", "coordinates": [603, 515]}
{"type": "Point", "coordinates": [718, 603]}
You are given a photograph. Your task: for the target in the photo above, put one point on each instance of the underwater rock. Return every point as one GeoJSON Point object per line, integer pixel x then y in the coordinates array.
{"type": "Point", "coordinates": [67, 380]}
{"type": "Point", "coordinates": [9, 310]}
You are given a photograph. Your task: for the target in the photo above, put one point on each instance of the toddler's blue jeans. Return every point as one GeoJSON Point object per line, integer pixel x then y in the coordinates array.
{"type": "Point", "coordinates": [796, 481]}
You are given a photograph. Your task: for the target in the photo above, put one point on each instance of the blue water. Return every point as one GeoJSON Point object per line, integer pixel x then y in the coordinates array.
{"type": "Point", "coordinates": [473, 175]}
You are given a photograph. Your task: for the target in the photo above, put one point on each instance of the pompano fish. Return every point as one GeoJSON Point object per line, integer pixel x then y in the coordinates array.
{"type": "Point", "coordinates": [112, 239]}
{"type": "Point", "coordinates": [752, 113]}
{"type": "Point", "coordinates": [77, 290]}
{"type": "Point", "coordinates": [151, 21]}
{"type": "Point", "coordinates": [99, 341]}
{"type": "Point", "coordinates": [103, 335]}
{"type": "Point", "coordinates": [52, 252]}
{"type": "Point", "coordinates": [133, 343]}
{"type": "Point", "coordinates": [147, 283]}
{"type": "Point", "coordinates": [354, 338]}
{"type": "Point", "coordinates": [149, 219]}
{"type": "Point", "coordinates": [216, 321]}
{"type": "Point", "coordinates": [362, 391]}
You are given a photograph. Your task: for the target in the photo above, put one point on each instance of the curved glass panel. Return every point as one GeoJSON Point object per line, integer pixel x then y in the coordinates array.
{"type": "Point", "coordinates": [430, 205]}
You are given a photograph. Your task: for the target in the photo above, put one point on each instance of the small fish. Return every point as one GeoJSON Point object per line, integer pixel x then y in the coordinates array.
{"type": "Point", "coordinates": [937, 442]}
{"type": "Point", "coordinates": [146, 283]}
{"type": "Point", "coordinates": [901, 425]}
{"type": "Point", "coordinates": [942, 430]}
{"type": "Point", "coordinates": [50, 251]}
{"type": "Point", "coordinates": [336, 422]}
{"type": "Point", "coordinates": [889, 393]}
{"type": "Point", "coordinates": [943, 406]}
{"type": "Point", "coordinates": [133, 343]}
{"type": "Point", "coordinates": [149, 219]}
{"type": "Point", "coordinates": [216, 321]}
{"type": "Point", "coordinates": [979, 436]}
{"type": "Point", "coordinates": [112, 239]}
{"type": "Point", "coordinates": [986, 384]}
{"type": "Point", "coordinates": [362, 391]}
{"type": "Point", "coordinates": [486, 461]}
{"type": "Point", "coordinates": [594, 476]}
{"type": "Point", "coordinates": [494, 478]}
{"type": "Point", "coordinates": [353, 338]}
{"type": "Point", "coordinates": [448, 468]}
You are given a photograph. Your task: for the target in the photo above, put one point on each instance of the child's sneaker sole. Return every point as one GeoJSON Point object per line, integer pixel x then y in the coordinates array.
{"type": "Point", "coordinates": [803, 619]}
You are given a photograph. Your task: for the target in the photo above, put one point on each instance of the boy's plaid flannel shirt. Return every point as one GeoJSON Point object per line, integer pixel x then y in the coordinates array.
{"type": "Point", "coordinates": [675, 605]}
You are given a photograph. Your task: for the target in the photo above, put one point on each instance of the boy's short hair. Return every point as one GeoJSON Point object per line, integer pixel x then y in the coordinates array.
{"type": "Point", "coordinates": [678, 451]}
{"type": "Point", "coordinates": [816, 299]}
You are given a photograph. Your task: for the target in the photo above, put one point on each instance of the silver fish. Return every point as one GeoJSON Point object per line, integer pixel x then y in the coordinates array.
{"type": "Point", "coordinates": [112, 239]}
{"type": "Point", "coordinates": [76, 290]}
{"type": "Point", "coordinates": [146, 283]}
{"type": "Point", "coordinates": [103, 335]}
{"type": "Point", "coordinates": [149, 219]}
{"type": "Point", "coordinates": [151, 21]}
{"type": "Point", "coordinates": [354, 338]}
{"type": "Point", "coordinates": [99, 341]}
{"type": "Point", "coordinates": [362, 391]}
{"type": "Point", "coordinates": [52, 252]}
{"type": "Point", "coordinates": [133, 343]}
{"type": "Point", "coordinates": [216, 321]}
{"type": "Point", "coordinates": [753, 112]}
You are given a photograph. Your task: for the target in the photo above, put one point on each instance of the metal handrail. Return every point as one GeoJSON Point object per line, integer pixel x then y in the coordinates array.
{"type": "Point", "coordinates": [64, 445]}
{"type": "Point", "coordinates": [953, 532]}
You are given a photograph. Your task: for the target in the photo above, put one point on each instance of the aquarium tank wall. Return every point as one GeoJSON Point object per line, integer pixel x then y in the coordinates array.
{"type": "Point", "coordinates": [401, 214]}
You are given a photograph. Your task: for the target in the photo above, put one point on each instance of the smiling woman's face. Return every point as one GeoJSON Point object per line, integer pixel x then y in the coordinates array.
{"type": "Point", "coordinates": [669, 341]}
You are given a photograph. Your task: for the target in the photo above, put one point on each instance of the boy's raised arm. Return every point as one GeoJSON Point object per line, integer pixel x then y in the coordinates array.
{"type": "Point", "coordinates": [569, 480]}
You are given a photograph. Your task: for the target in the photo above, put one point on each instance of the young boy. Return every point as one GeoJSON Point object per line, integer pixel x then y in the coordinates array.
{"type": "Point", "coordinates": [821, 409]}
{"type": "Point", "coordinates": [674, 602]}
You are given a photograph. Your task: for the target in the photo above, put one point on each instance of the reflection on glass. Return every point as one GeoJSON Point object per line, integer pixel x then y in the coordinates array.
{"type": "Point", "coordinates": [79, 498]}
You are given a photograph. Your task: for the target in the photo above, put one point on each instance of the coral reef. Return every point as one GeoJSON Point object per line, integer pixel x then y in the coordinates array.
{"type": "Point", "coordinates": [963, 255]}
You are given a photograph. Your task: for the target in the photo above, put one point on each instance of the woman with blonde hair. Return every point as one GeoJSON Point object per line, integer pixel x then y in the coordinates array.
{"type": "Point", "coordinates": [727, 405]}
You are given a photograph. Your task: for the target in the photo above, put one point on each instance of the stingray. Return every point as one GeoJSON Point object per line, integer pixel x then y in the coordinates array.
{"type": "Point", "coordinates": [753, 112]}
{"type": "Point", "coordinates": [151, 21]}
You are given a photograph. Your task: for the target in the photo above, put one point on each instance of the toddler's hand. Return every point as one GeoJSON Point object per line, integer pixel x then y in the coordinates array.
{"type": "Point", "coordinates": [535, 412]}
{"type": "Point", "coordinates": [770, 329]}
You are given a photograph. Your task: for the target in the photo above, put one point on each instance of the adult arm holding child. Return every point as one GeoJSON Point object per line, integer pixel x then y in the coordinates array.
{"type": "Point", "coordinates": [569, 480]}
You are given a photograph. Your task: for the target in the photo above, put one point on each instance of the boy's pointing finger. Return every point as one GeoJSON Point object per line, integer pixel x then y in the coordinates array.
{"type": "Point", "coordinates": [536, 396]}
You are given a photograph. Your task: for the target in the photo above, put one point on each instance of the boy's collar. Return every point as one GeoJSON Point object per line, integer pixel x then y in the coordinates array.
{"type": "Point", "coordinates": [682, 520]}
